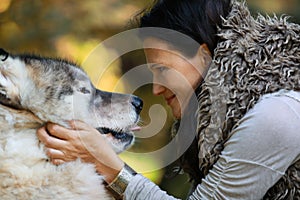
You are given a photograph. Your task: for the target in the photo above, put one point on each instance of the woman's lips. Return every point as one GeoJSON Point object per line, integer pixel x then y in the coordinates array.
{"type": "Point", "coordinates": [170, 99]}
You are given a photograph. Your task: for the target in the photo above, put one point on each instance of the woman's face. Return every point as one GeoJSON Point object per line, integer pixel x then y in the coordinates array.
{"type": "Point", "coordinates": [175, 76]}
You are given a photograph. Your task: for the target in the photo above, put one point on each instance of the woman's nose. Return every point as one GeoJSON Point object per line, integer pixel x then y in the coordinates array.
{"type": "Point", "coordinates": [158, 89]}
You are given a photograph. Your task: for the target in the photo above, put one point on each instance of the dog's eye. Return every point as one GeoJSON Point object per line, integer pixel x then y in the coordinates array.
{"type": "Point", "coordinates": [84, 90]}
{"type": "Point", "coordinates": [3, 54]}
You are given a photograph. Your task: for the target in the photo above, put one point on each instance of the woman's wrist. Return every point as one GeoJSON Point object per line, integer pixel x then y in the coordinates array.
{"type": "Point", "coordinates": [117, 175]}
{"type": "Point", "coordinates": [121, 181]}
{"type": "Point", "coordinates": [110, 171]}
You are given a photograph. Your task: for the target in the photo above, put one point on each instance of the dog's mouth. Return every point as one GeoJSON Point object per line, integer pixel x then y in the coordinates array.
{"type": "Point", "coordinates": [119, 135]}
{"type": "Point", "coordinates": [120, 140]}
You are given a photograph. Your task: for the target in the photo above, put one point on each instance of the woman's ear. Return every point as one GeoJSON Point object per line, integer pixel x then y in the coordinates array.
{"type": "Point", "coordinates": [204, 49]}
{"type": "Point", "coordinates": [205, 55]}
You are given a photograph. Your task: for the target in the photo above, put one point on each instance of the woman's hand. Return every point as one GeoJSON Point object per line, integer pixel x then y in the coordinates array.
{"type": "Point", "coordinates": [81, 141]}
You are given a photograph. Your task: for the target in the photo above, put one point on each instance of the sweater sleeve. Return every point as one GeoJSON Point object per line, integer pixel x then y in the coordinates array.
{"type": "Point", "coordinates": [260, 150]}
{"type": "Point", "coordinates": [142, 188]}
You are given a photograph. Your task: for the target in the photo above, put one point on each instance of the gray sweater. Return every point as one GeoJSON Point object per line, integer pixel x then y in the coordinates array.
{"type": "Point", "coordinates": [255, 157]}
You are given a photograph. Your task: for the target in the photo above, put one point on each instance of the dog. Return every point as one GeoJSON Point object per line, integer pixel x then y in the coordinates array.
{"type": "Point", "coordinates": [35, 90]}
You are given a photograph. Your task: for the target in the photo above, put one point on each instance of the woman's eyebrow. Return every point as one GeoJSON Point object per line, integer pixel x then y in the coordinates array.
{"type": "Point", "coordinates": [153, 65]}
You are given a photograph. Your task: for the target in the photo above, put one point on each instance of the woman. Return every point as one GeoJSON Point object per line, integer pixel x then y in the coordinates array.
{"type": "Point", "coordinates": [245, 73]}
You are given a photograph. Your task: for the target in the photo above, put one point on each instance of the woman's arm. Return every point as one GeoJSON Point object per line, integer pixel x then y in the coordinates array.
{"type": "Point", "coordinates": [257, 155]}
{"type": "Point", "coordinates": [64, 145]}
{"type": "Point", "coordinates": [260, 150]}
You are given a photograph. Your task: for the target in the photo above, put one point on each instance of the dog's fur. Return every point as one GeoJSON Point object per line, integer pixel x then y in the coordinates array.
{"type": "Point", "coordinates": [35, 90]}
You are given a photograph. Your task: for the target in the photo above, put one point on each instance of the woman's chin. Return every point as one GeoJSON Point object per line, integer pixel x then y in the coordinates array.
{"type": "Point", "coordinates": [176, 114]}
{"type": "Point", "coordinates": [176, 109]}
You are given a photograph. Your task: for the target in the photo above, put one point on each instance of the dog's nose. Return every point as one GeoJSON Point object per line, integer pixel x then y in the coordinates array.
{"type": "Point", "coordinates": [137, 103]}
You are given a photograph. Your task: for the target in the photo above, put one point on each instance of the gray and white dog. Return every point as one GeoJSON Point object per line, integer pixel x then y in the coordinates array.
{"type": "Point", "coordinates": [35, 90]}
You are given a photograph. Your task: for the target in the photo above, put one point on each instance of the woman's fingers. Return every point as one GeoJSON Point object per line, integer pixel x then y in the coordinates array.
{"type": "Point", "coordinates": [48, 140]}
{"type": "Point", "coordinates": [81, 141]}
{"type": "Point", "coordinates": [57, 161]}
{"type": "Point", "coordinates": [62, 144]}
{"type": "Point", "coordinates": [59, 131]}
{"type": "Point", "coordinates": [78, 125]}
{"type": "Point", "coordinates": [54, 153]}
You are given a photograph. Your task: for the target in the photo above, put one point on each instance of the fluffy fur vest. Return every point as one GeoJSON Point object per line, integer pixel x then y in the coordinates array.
{"type": "Point", "coordinates": [255, 56]}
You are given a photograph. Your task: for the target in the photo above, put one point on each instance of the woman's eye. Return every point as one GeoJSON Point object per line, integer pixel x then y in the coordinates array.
{"type": "Point", "coordinates": [161, 68]}
{"type": "Point", "coordinates": [84, 90]}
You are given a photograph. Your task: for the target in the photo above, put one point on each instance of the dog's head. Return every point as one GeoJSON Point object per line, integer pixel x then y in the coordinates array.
{"type": "Point", "coordinates": [56, 90]}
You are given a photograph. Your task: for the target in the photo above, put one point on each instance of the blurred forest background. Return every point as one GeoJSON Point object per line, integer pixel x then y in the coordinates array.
{"type": "Point", "coordinates": [72, 29]}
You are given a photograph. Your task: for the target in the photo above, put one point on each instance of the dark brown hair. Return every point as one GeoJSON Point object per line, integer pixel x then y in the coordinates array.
{"type": "Point", "coordinates": [198, 19]}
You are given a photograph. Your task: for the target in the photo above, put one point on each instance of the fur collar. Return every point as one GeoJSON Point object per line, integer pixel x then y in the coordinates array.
{"type": "Point", "coordinates": [254, 57]}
